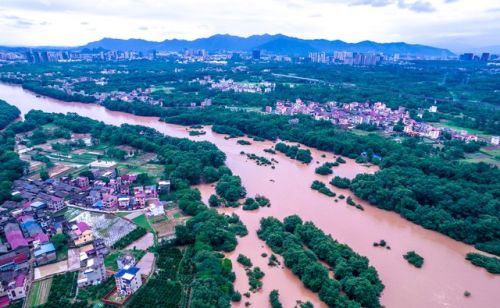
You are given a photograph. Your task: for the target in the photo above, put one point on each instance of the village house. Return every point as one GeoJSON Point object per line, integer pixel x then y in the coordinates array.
{"type": "Point", "coordinates": [13, 284]}
{"type": "Point", "coordinates": [128, 280]}
{"type": "Point", "coordinates": [14, 236]}
{"type": "Point", "coordinates": [81, 233]}
{"type": "Point", "coordinates": [155, 208]}
{"type": "Point", "coordinates": [126, 259]}
{"type": "Point", "coordinates": [93, 270]}
{"type": "Point", "coordinates": [56, 203]}
{"type": "Point", "coordinates": [44, 253]}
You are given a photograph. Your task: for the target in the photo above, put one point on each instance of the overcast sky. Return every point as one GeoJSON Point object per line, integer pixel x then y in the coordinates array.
{"type": "Point", "coordinates": [444, 23]}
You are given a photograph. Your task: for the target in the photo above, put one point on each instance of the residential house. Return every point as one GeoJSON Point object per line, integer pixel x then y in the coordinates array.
{"type": "Point", "coordinates": [56, 203]}
{"type": "Point", "coordinates": [128, 280]}
{"type": "Point", "coordinates": [124, 202]}
{"type": "Point", "coordinates": [155, 208]}
{"type": "Point", "coordinates": [93, 271]}
{"type": "Point", "coordinates": [14, 236]}
{"type": "Point", "coordinates": [15, 260]}
{"type": "Point", "coordinates": [14, 284]}
{"type": "Point", "coordinates": [126, 259]}
{"type": "Point", "coordinates": [45, 253]}
{"type": "Point", "coordinates": [33, 229]}
{"type": "Point", "coordinates": [81, 233]}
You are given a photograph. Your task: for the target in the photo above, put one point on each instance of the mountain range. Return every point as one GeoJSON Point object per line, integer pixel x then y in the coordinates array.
{"type": "Point", "coordinates": [275, 44]}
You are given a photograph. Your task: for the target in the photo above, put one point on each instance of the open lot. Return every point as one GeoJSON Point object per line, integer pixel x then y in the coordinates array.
{"type": "Point", "coordinates": [146, 263]}
{"type": "Point", "coordinates": [165, 225]}
{"type": "Point", "coordinates": [51, 269]}
{"type": "Point", "coordinates": [143, 243]}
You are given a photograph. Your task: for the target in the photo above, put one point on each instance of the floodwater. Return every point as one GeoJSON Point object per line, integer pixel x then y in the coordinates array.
{"type": "Point", "coordinates": [441, 282]}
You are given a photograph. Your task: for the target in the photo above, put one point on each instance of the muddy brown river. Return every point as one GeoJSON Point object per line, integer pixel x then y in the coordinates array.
{"type": "Point", "coordinates": [441, 282]}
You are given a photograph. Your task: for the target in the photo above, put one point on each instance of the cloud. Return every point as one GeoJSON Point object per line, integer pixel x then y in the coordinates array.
{"type": "Point", "coordinates": [374, 3]}
{"type": "Point", "coordinates": [317, 15]}
{"type": "Point", "coordinates": [44, 23]}
{"type": "Point", "coordinates": [143, 28]}
{"type": "Point", "coordinates": [418, 6]}
{"type": "Point", "coordinates": [84, 23]}
{"type": "Point", "coordinates": [450, 1]}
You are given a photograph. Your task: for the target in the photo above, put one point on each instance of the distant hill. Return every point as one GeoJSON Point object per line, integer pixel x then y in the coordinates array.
{"type": "Point", "coordinates": [276, 44]}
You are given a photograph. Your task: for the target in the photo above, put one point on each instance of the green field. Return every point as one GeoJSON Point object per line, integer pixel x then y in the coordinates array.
{"type": "Point", "coordinates": [121, 214]}
{"type": "Point", "coordinates": [447, 124]}
{"type": "Point", "coordinates": [142, 221]}
{"type": "Point", "coordinates": [482, 157]}
{"type": "Point", "coordinates": [39, 293]}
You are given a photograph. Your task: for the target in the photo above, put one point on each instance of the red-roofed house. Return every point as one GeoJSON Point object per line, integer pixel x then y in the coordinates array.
{"type": "Point", "coordinates": [14, 236]}
{"type": "Point", "coordinates": [81, 233]}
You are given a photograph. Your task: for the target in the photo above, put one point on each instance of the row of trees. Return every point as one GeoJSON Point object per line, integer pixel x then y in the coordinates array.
{"type": "Point", "coordinates": [209, 233]}
{"type": "Point", "coordinates": [8, 113]}
{"type": "Point", "coordinates": [294, 152]}
{"type": "Point", "coordinates": [11, 166]}
{"type": "Point", "coordinates": [302, 244]}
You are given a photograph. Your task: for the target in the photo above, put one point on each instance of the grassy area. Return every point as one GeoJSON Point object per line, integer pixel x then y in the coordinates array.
{"type": "Point", "coordinates": [121, 214]}
{"type": "Point", "coordinates": [494, 152]}
{"type": "Point", "coordinates": [448, 124]}
{"type": "Point", "coordinates": [110, 260]}
{"type": "Point", "coordinates": [142, 221]}
{"type": "Point", "coordinates": [39, 293]}
{"type": "Point", "coordinates": [482, 156]}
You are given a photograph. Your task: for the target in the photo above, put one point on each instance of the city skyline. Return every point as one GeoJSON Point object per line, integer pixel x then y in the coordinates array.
{"type": "Point", "coordinates": [463, 25]}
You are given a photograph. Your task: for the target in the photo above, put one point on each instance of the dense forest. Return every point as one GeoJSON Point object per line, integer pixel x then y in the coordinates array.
{"type": "Point", "coordinates": [11, 166]}
{"type": "Point", "coordinates": [421, 182]}
{"type": "Point", "coordinates": [8, 113]}
{"type": "Point", "coordinates": [356, 283]}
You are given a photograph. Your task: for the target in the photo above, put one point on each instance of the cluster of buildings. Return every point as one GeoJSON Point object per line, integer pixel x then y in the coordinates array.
{"type": "Point", "coordinates": [238, 87]}
{"type": "Point", "coordinates": [28, 227]}
{"type": "Point", "coordinates": [29, 224]}
{"type": "Point", "coordinates": [69, 86]}
{"type": "Point", "coordinates": [377, 114]}
{"type": "Point", "coordinates": [350, 58]}
{"type": "Point", "coordinates": [484, 57]}
{"type": "Point", "coordinates": [42, 56]}
{"type": "Point", "coordinates": [118, 193]}
{"type": "Point", "coordinates": [345, 115]}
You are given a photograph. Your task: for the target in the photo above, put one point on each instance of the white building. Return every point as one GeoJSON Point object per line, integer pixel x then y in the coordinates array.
{"type": "Point", "coordinates": [128, 280]}
{"type": "Point", "coordinates": [495, 140]}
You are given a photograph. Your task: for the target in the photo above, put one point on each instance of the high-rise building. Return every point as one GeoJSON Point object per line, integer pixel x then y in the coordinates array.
{"type": "Point", "coordinates": [485, 56]}
{"type": "Point", "coordinates": [467, 57]}
{"type": "Point", "coordinates": [256, 54]}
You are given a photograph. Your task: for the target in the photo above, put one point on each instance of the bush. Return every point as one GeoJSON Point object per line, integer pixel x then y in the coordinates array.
{"type": "Point", "coordinates": [236, 297]}
{"type": "Point", "coordinates": [229, 187]}
{"type": "Point", "coordinates": [243, 142]}
{"type": "Point", "coordinates": [244, 260]}
{"type": "Point", "coordinates": [274, 299]}
{"type": "Point", "coordinates": [491, 264]}
{"type": "Point", "coordinates": [340, 182]}
{"type": "Point", "coordinates": [250, 207]}
{"type": "Point", "coordinates": [321, 187]}
{"type": "Point", "coordinates": [413, 258]}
